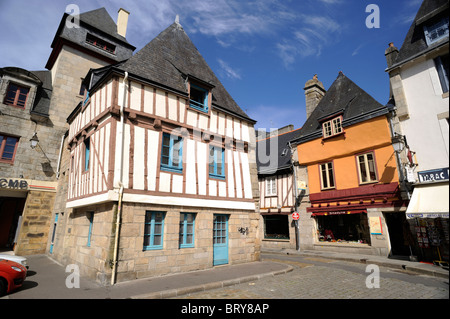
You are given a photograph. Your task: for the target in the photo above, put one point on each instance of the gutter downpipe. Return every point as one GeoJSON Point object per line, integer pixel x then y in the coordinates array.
{"type": "Point", "coordinates": [119, 206]}
{"type": "Point", "coordinates": [297, 224]}
{"type": "Point", "coordinates": [60, 155]}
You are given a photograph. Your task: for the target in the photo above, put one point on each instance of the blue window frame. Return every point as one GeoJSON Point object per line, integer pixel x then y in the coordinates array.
{"type": "Point", "coordinates": [198, 98]}
{"type": "Point", "coordinates": [154, 230]}
{"type": "Point", "coordinates": [216, 162]}
{"type": "Point", "coordinates": [87, 151]}
{"type": "Point", "coordinates": [187, 229]}
{"type": "Point", "coordinates": [90, 217]}
{"type": "Point", "coordinates": [172, 153]}
{"type": "Point", "coordinates": [436, 31]}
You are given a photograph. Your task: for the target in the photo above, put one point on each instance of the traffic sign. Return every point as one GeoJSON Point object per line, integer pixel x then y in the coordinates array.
{"type": "Point", "coordinates": [295, 216]}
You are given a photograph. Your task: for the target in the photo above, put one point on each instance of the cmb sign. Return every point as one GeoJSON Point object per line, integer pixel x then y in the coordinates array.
{"type": "Point", "coordinates": [433, 175]}
{"type": "Point", "coordinates": [13, 183]}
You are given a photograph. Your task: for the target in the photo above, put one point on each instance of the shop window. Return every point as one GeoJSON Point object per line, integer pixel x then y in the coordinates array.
{"type": "Point", "coordinates": [327, 175]}
{"type": "Point", "coordinates": [16, 95]}
{"type": "Point", "coordinates": [353, 228]}
{"type": "Point", "coordinates": [366, 168]}
{"type": "Point", "coordinates": [187, 226]}
{"type": "Point", "coordinates": [8, 148]}
{"type": "Point", "coordinates": [271, 186]}
{"type": "Point", "coordinates": [276, 227]}
{"type": "Point", "coordinates": [153, 230]}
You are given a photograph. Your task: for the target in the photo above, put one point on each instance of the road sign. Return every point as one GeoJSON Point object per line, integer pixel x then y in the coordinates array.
{"type": "Point", "coordinates": [295, 216]}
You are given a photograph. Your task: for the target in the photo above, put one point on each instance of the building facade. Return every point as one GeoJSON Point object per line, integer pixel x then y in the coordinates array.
{"type": "Point", "coordinates": [33, 127]}
{"type": "Point", "coordinates": [161, 165]}
{"type": "Point", "coordinates": [420, 90]}
{"type": "Point", "coordinates": [346, 147]}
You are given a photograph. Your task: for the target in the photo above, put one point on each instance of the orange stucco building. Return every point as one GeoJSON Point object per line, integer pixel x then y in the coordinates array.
{"type": "Point", "coordinates": [353, 180]}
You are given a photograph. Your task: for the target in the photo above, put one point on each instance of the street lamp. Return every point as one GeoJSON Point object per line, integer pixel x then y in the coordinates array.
{"type": "Point", "coordinates": [398, 142]}
{"type": "Point", "coordinates": [34, 141]}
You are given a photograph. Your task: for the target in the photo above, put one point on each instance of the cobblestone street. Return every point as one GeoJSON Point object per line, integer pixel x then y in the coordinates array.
{"type": "Point", "coordinates": [319, 278]}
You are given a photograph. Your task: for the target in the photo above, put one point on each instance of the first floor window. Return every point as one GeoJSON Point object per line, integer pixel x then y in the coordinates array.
{"type": "Point", "coordinates": [153, 230]}
{"type": "Point", "coordinates": [271, 186]}
{"type": "Point", "coordinates": [187, 226]}
{"type": "Point", "coordinates": [172, 153]}
{"type": "Point", "coordinates": [442, 69]}
{"type": "Point", "coordinates": [87, 152]}
{"type": "Point", "coordinates": [216, 162]}
{"type": "Point", "coordinates": [366, 167]}
{"type": "Point", "coordinates": [16, 95]}
{"type": "Point", "coordinates": [327, 175]}
{"type": "Point", "coordinates": [8, 147]}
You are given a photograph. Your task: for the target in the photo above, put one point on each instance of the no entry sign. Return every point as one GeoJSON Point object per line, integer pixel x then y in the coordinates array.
{"type": "Point", "coordinates": [295, 216]}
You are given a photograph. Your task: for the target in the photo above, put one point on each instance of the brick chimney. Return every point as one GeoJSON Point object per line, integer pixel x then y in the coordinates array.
{"type": "Point", "coordinates": [391, 54]}
{"type": "Point", "coordinates": [314, 92]}
{"type": "Point", "coordinates": [122, 22]}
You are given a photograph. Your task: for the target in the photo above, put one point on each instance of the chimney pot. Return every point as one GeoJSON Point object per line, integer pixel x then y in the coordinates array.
{"type": "Point", "coordinates": [122, 22]}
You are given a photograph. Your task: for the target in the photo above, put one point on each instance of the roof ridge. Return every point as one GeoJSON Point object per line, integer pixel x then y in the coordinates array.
{"type": "Point", "coordinates": [268, 138]}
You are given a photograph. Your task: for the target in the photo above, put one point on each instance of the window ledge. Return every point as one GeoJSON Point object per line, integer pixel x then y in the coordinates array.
{"type": "Point", "coordinates": [172, 169]}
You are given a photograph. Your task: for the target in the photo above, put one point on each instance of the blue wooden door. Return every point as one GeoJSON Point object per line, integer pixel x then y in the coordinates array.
{"type": "Point", "coordinates": [220, 240]}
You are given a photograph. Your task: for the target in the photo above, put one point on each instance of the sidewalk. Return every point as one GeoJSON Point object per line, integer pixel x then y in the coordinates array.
{"type": "Point", "coordinates": [405, 265]}
{"type": "Point", "coordinates": [47, 280]}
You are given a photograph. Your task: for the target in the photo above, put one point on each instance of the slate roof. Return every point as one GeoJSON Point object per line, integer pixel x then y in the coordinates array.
{"type": "Point", "coordinates": [43, 94]}
{"type": "Point", "coordinates": [273, 154]}
{"type": "Point", "coordinates": [343, 96]}
{"type": "Point", "coordinates": [171, 57]}
{"type": "Point", "coordinates": [415, 42]}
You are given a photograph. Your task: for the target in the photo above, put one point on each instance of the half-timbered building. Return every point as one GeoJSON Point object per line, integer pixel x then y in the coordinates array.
{"type": "Point", "coordinates": [160, 168]}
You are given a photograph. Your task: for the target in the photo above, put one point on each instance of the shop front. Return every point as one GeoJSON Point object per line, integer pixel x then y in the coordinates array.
{"type": "Point", "coordinates": [25, 211]}
{"type": "Point", "coordinates": [428, 219]}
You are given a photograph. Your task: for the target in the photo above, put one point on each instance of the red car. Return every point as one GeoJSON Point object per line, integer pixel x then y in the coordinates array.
{"type": "Point", "coordinates": [12, 276]}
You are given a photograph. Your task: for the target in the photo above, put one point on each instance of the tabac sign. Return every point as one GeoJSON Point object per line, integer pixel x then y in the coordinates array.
{"type": "Point", "coordinates": [11, 183]}
{"type": "Point", "coordinates": [433, 175]}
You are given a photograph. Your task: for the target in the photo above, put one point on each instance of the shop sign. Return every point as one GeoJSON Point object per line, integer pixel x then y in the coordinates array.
{"type": "Point", "coordinates": [440, 174]}
{"type": "Point", "coordinates": [13, 183]}
{"type": "Point", "coordinates": [375, 225]}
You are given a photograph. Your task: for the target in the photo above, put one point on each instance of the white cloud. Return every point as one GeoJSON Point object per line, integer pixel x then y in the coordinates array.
{"type": "Point", "coordinates": [228, 70]}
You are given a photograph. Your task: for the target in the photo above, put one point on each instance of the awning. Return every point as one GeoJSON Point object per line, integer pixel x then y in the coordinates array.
{"type": "Point", "coordinates": [346, 212]}
{"type": "Point", "coordinates": [429, 201]}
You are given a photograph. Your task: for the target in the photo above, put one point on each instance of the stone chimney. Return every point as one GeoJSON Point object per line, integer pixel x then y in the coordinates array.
{"type": "Point", "coordinates": [314, 92]}
{"type": "Point", "coordinates": [122, 22]}
{"type": "Point", "coordinates": [391, 54]}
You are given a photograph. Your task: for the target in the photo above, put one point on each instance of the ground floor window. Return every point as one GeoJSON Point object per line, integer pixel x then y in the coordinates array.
{"type": "Point", "coordinates": [276, 227]}
{"type": "Point", "coordinates": [343, 228]}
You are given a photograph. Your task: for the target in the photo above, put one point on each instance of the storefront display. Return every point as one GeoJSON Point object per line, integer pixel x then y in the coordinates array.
{"type": "Point", "coordinates": [343, 227]}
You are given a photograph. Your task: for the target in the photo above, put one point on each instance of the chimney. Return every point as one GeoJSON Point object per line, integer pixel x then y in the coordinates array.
{"type": "Point", "coordinates": [122, 22]}
{"type": "Point", "coordinates": [314, 92]}
{"type": "Point", "coordinates": [391, 54]}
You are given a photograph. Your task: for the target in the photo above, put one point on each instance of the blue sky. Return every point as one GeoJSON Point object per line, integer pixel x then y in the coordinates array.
{"type": "Point", "coordinates": [263, 51]}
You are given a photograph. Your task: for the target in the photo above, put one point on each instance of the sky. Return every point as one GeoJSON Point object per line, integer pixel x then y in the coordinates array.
{"type": "Point", "coordinates": [263, 51]}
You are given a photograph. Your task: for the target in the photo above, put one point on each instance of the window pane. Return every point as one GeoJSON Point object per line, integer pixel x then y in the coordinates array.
{"type": "Point", "coordinates": [159, 217]}
{"type": "Point", "coordinates": [372, 172]}
{"type": "Point", "coordinates": [157, 240]}
{"type": "Point", "coordinates": [362, 168]}
{"type": "Point", "coordinates": [190, 218]}
{"type": "Point", "coordinates": [166, 140]}
{"type": "Point", "coordinates": [146, 240]}
{"type": "Point", "coordinates": [11, 94]}
{"type": "Point", "coordinates": [189, 239]}
{"type": "Point", "coordinates": [324, 176]}
{"type": "Point", "coordinates": [330, 175]}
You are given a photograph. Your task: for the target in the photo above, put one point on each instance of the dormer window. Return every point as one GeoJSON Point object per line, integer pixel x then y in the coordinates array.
{"type": "Point", "coordinates": [436, 31]}
{"type": "Point", "coordinates": [332, 127]}
{"type": "Point", "coordinates": [198, 98]}
{"type": "Point", "coordinates": [101, 44]}
{"type": "Point", "coordinates": [16, 95]}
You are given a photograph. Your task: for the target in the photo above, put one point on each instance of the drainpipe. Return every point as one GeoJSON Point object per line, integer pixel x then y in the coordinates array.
{"type": "Point", "coordinates": [119, 207]}
{"type": "Point", "coordinates": [60, 155]}
{"type": "Point", "coordinates": [297, 224]}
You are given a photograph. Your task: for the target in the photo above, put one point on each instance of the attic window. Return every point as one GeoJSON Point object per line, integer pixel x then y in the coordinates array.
{"type": "Point", "coordinates": [198, 98]}
{"type": "Point", "coordinates": [284, 152]}
{"type": "Point", "coordinates": [332, 127]}
{"type": "Point", "coordinates": [436, 31]}
{"type": "Point", "coordinates": [101, 44]}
